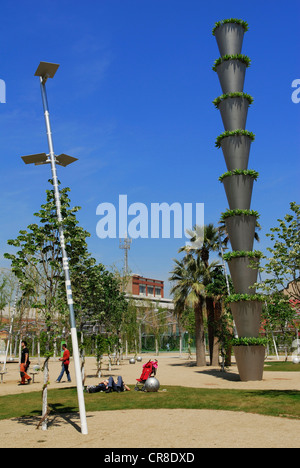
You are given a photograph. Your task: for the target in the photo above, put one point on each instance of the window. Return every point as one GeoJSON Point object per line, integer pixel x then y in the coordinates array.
{"type": "Point", "coordinates": [142, 289]}
{"type": "Point", "coordinates": [150, 290]}
{"type": "Point", "coordinates": [157, 291]}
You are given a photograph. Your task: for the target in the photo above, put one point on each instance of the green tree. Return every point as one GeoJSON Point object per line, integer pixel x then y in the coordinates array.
{"type": "Point", "coordinates": [130, 326]}
{"type": "Point", "coordinates": [188, 289]}
{"type": "Point", "coordinates": [38, 262]}
{"type": "Point", "coordinates": [3, 295]}
{"type": "Point", "coordinates": [203, 242]}
{"type": "Point", "coordinates": [186, 321]}
{"type": "Point", "coordinates": [283, 267]}
{"type": "Point", "coordinates": [222, 323]}
{"type": "Point", "coordinates": [281, 320]}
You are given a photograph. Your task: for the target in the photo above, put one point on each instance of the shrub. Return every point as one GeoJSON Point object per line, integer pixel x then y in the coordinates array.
{"type": "Point", "coordinates": [219, 99]}
{"type": "Point", "coordinates": [245, 297]}
{"type": "Point", "coordinates": [242, 58]}
{"type": "Point", "coordinates": [242, 253]}
{"type": "Point", "coordinates": [249, 341]}
{"type": "Point", "coordinates": [231, 20]}
{"type": "Point", "coordinates": [238, 132]}
{"type": "Point", "coordinates": [238, 212]}
{"type": "Point", "coordinates": [246, 172]}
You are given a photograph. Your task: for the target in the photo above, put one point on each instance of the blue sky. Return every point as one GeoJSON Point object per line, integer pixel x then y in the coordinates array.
{"type": "Point", "coordinates": [132, 100]}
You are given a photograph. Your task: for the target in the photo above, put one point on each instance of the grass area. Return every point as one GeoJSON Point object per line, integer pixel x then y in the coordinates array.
{"type": "Point", "coordinates": [266, 402]}
{"type": "Point", "coordinates": [282, 366]}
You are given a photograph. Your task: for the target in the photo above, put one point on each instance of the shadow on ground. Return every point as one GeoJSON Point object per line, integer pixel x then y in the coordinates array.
{"type": "Point", "coordinates": [69, 416]}
{"type": "Point", "coordinates": [213, 372]}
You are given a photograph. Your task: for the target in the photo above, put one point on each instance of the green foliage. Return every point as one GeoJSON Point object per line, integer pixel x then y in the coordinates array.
{"type": "Point", "coordinates": [229, 213]}
{"type": "Point", "coordinates": [38, 261]}
{"type": "Point", "coordinates": [130, 325]}
{"type": "Point", "coordinates": [101, 345]}
{"type": "Point", "coordinates": [249, 341]}
{"type": "Point", "coordinates": [233, 21]}
{"type": "Point", "coordinates": [242, 58]}
{"type": "Point", "coordinates": [245, 172]}
{"type": "Point", "coordinates": [187, 320]}
{"type": "Point", "coordinates": [283, 267]}
{"type": "Point", "coordinates": [38, 266]}
{"type": "Point", "coordinates": [245, 297]}
{"type": "Point", "coordinates": [234, 133]}
{"type": "Point", "coordinates": [242, 253]}
{"type": "Point", "coordinates": [280, 316]}
{"type": "Point", "coordinates": [217, 286]}
{"type": "Point", "coordinates": [235, 94]}
{"type": "Point", "coordinates": [98, 297]}
{"type": "Point", "coordinates": [190, 276]}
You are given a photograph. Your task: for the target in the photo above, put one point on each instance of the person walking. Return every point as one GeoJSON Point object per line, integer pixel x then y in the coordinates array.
{"type": "Point", "coordinates": [65, 364]}
{"type": "Point", "coordinates": [25, 363]}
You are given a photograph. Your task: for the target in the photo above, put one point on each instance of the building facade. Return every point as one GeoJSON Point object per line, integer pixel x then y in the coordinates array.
{"type": "Point", "coordinates": [145, 287]}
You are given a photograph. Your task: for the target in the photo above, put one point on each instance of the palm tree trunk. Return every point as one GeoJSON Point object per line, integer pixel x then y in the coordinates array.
{"type": "Point", "coordinates": [216, 344]}
{"type": "Point", "coordinates": [212, 340]}
{"type": "Point", "coordinates": [199, 328]}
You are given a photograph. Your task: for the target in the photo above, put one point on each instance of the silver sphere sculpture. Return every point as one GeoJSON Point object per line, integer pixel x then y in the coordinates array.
{"type": "Point", "coordinates": [152, 384]}
{"type": "Point", "coordinates": [139, 359]}
{"type": "Point", "coordinates": [296, 360]}
{"type": "Point", "coordinates": [132, 361]}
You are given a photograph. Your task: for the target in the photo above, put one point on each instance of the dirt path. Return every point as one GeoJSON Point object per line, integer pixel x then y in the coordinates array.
{"type": "Point", "coordinates": [157, 428]}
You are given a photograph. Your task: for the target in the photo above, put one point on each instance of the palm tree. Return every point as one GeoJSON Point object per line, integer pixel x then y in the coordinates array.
{"type": "Point", "coordinates": [205, 240]}
{"type": "Point", "coordinates": [218, 326]}
{"type": "Point", "coordinates": [189, 290]}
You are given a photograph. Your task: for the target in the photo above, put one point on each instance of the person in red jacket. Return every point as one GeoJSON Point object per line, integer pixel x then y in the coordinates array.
{"type": "Point", "coordinates": [65, 364]}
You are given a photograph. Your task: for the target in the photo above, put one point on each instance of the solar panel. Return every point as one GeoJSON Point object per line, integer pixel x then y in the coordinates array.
{"type": "Point", "coordinates": [36, 159]}
{"type": "Point", "coordinates": [46, 68]}
{"type": "Point", "coordinates": [64, 160]}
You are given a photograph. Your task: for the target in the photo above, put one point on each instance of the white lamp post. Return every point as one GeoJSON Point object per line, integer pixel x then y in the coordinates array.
{"type": "Point", "coordinates": [47, 70]}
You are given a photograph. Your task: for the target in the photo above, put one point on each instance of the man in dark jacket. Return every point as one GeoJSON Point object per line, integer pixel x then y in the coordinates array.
{"type": "Point", "coordinates": [24, 364]}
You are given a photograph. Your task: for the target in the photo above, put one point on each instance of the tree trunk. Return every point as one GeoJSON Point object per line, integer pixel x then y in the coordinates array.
{"type": "Point", "coordinates": [140, 337]}
{"type": "Point", "coordinates": [180, 344]}
{"type": "Point", "coordinates": [212, 340]}
{"type": "Point", "coordinates": [217, 316]}
{"type": "Point", "coordinates": [45, 396]}
{"type": "Point", "coordinates": [199, 326]}
{"type": "Point", "coordinates": [156, 347]}
{"type": "Point", "coordinates": [228, 356]}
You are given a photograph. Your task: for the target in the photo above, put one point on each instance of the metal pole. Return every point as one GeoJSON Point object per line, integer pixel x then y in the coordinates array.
{"type": "Point", "coordinates": [65, 260]}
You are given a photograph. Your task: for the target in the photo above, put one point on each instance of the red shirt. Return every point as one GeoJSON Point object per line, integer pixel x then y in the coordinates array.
{"type": "Point", "coordinates": [66, 357]}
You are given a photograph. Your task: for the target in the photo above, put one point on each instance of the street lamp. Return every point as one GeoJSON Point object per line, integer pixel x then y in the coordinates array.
{"type": "Point", "coordinates": [47, 70]}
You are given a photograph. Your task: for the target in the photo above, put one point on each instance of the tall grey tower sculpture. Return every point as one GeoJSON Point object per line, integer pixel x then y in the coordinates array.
{"type": "Point", "coordinates": [240, 221]}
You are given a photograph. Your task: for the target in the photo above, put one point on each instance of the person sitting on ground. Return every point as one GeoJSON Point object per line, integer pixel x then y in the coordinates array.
{"type": "Point", "coordinates": [109, 385]}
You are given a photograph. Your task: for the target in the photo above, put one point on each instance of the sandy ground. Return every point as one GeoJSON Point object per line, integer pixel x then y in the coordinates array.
{"type": "Point", "coordinates": [155, 428]}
